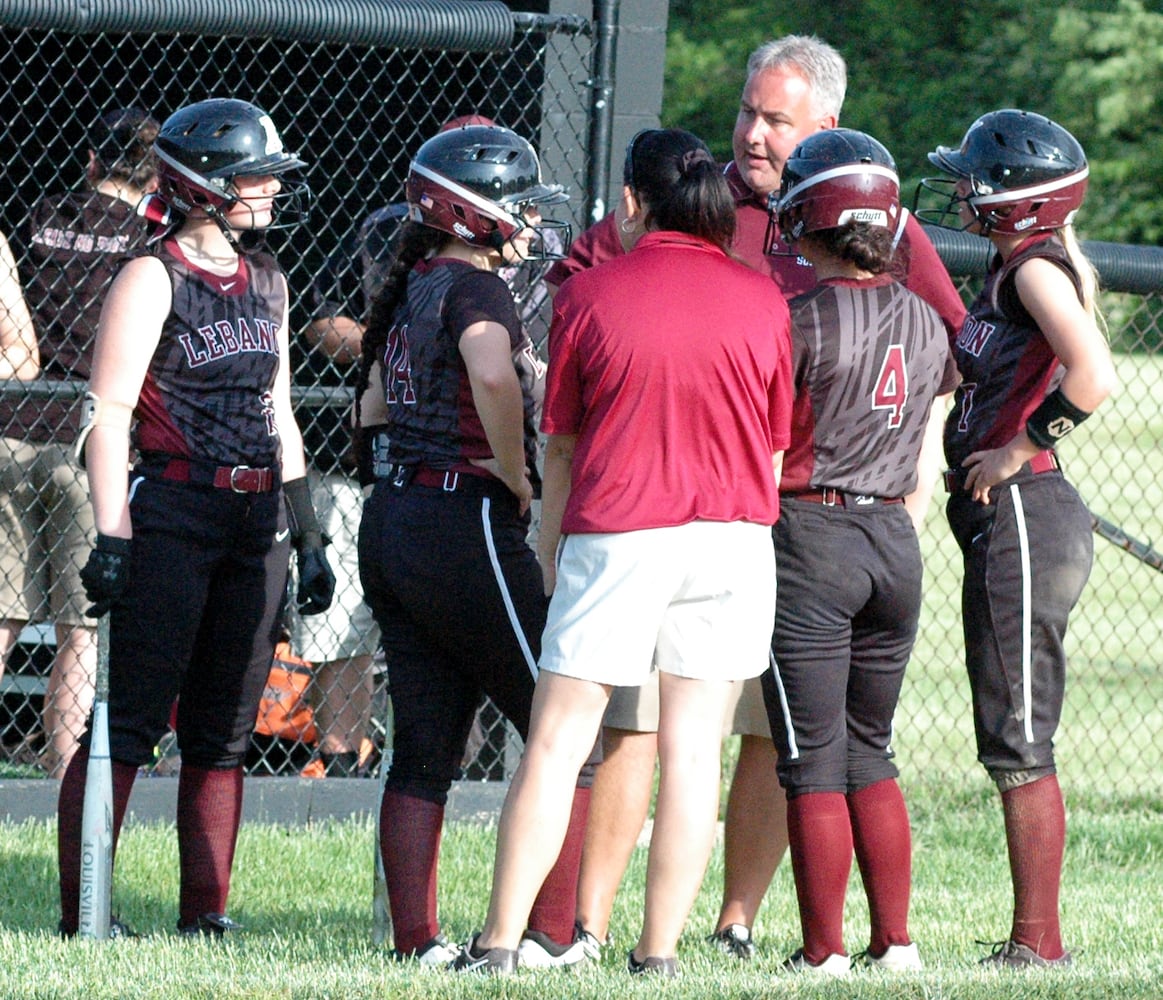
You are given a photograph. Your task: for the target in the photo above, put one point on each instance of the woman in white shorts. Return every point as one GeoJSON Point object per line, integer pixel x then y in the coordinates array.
{"type": "Point", "coordinates": [667, 409]}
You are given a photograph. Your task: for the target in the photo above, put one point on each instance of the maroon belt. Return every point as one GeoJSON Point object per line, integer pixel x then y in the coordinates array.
{"type": "Point", "coordinates": [835, 498]}
{"type": "Point", "coordinates": [1044, 461]}
{"type": "Point", "coordinates": [239, 478]}
{"type": "Point", "coordinates": [450, 480]}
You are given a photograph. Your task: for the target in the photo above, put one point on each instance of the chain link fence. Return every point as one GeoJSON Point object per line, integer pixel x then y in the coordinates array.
{"type": "Point", "coordinates": [354, 90]}
{"type": "Point", "coordinates": [356, 100]}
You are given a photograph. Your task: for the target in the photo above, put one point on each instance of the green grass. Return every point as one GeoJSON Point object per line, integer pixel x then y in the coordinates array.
{"type": "Point", "coordinates": [304, 893]}
{"type": "Point", "coordinates": [304, 896]}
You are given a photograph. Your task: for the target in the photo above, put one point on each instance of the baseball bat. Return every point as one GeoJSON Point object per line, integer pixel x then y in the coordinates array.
{"type": "Point", "coordinates": [381, 913]}
{"type": "Point", "coordinates": [1114, 534]}
{"type": "Point", "coordinates": [97, 817]}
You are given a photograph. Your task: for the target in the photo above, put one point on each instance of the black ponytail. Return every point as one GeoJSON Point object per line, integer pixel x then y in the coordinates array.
{"type": "Point", "coordinates": [416, 242]}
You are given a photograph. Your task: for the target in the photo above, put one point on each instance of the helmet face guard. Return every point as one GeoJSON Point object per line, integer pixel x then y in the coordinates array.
{"type": "Point", "coordinates": [1024, 174]}
{"type": "Point", "coordinates": [202, 148]}
{"type": "Point", "coordinates": [476, 183]}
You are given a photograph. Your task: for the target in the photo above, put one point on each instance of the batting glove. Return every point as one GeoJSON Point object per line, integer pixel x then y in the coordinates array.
{"type": "Point", "coordinates": [316, 581]}
{"type": "Point", "coordinates": [106, 574]}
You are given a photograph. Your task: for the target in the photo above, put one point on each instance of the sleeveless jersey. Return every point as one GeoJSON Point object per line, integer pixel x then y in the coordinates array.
{"type": "Point", "coordinates": [432, 418]}
{"type": "Point", "coordinates": [868, 358]}
{"type": "Point", "coordinates": [207, 393]}
{"type": "Point", "coordinates": [77, 241]}
{"type": "Point", "coordinates": [1007, 366]}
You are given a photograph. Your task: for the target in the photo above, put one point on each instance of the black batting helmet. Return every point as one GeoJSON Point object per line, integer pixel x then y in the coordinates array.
{"type": "Point", "coordinates": [1027, 173]}
{"type": "Point", "coordinates": [204, 146]}
{"type": "Point", "coordinates": [475, 182]}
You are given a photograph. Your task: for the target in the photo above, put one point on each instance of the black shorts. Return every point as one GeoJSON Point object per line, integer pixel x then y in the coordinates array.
{"type": "Point", "coordinates": [207, 580]}
{"type": "Point", "coordinates": [1027, 558]}
{"type": "Point", "coordinates": [847, 605]}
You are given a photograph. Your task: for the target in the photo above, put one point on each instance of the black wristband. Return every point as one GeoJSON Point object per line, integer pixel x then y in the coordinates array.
{"type": "Point", "coordinates": [300, 510]}
{"type": "Point", "coordinates": [1053, 420]}
{"type": "Point", "coordinates": [113, 545]}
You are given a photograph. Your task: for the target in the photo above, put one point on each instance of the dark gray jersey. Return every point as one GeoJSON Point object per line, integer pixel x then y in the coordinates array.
{"type": "Point", "coordinates": [207, 393]}
{"type": "Point", "coordinates": [868, 359]}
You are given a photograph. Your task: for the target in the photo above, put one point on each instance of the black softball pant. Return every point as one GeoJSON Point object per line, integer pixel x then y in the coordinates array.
{"type": "Point", "coordinates": [458, 596]}
{"type": "Point", "coordinates": [207, 580]}
{"type": "Point", "coordinates": [1027, 558]}
{"type": "Point", "coordinates": [846, 611]}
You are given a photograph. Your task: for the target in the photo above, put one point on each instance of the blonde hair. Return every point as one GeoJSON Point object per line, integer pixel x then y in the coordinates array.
{"type": "Point", "coordinates": [1087, 274]}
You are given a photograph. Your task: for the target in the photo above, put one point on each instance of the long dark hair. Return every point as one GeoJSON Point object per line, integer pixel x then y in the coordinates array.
{"type": "Point", "coordinates": [416, 242]}
{"type": "Point", "coordinates": [681, 187]}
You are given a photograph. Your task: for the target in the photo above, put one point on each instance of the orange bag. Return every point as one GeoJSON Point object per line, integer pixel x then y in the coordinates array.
{"type": "Point", "coordinates": [285, 711]}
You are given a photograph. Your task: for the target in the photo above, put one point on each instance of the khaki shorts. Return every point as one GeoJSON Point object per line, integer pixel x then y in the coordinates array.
{"type": "Point", "coordinates": [636, 709]}
{"type": "Point", "coordinates": [347, 628]}
{"type": "Point", "coordinates": [46, 533]}
{"type": "Point", "coordinates": [696, 600]}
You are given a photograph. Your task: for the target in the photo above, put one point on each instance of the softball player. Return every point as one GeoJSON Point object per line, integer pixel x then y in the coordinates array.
{"type": "Point", "coordinates": [449, 388]}
{"type": "Point", "coordinates": [869, 359]}
{"type": "Point", "coordinates": [1034, 365]}
{"type": "Point", "coordinates": [668, 407]}
{"type": "Point", "coordinates": [192, 547]}
{"type": "Point", "coordinates": [795, 86]}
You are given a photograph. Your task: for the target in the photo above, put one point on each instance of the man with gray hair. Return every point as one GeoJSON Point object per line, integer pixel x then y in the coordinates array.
{"type": "Point", "coordinates": [795, 86]}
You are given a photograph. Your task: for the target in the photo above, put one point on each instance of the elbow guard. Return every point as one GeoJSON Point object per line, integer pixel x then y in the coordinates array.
{"type": "Point", "coordinates": [98, 413]}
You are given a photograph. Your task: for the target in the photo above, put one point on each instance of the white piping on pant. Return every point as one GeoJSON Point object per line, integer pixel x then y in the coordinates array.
{"type": "Point", "coordinates": [1027, 613]}
{"type": "Point", "coordinates": [503, 587]}
{"type": "Point", "coordinates": [793, 750]}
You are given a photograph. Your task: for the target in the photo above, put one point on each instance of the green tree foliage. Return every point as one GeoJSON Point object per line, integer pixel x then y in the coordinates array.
{"type": "Point", "coordinates": [920, 73]}
{"type": "Point", "coordinates": [1110, 94]}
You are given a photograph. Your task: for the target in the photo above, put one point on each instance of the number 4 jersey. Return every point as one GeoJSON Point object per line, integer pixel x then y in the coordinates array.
{"type": "Point", "coordinates": [868, 359]}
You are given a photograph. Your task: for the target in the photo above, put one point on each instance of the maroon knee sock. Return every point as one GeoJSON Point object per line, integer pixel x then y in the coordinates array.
{"type": "Point", "coordinates": [555, 908]}
{"type": "Point", "coordinates": [820, 836]}
{"type": "Point", "coordinates": [70, 812]}
{"type": "Point", "coordinates": [1035, 818]}
{"type": "Point", "coordinates": [209, 811]}
{"type": "Point", "coordinates": [410, 830]}
{"type": "Point", "coordinates": [883, 843]}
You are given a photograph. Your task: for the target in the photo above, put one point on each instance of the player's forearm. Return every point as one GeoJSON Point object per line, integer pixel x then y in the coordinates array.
{"type": "Point", "coordinates": [501, 407]}
{"type": "Point", "coordinates": [340, 338]}
{"type": "Point", "coordinates": [107, 461]}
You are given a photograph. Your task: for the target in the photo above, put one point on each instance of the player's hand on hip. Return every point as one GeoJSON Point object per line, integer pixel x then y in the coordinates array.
{"type": "Point", "coordinates": [316, 581]}
{"type": "Point", "coordinates": [106, 574]}
{"type": "Point", "coordinates": [988, 468]}
{"type": "Point", "coordinates": [519, 486]}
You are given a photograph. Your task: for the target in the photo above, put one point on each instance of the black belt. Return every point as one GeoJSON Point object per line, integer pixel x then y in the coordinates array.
{"type": "Point", "coordinates": [1044, 461]}
{"type": "Point", "coordinates": [237, 478]}
{"type": "Point", "coordinates": [829, 497]}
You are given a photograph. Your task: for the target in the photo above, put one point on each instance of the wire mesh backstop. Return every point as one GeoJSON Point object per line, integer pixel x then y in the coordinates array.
{"type": "Point", "coordinates": [355, 87]}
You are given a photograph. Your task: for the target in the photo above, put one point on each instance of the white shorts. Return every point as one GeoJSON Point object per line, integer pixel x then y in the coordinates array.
{"type": "Point", "coordinates": [696, 600]}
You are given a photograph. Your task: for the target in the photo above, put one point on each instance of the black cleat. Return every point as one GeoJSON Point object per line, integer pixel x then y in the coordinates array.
{"type": "Point", "coordinates": [652, 966]}
{"type": "Point", "coordinates": [493, 961]}
{"type": "Point", "coordinates": [211, 925]}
